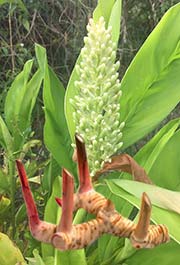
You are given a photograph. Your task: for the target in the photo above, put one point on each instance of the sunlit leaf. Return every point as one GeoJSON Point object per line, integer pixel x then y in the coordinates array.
{"type": "Point", "coordinates": [165, 254]}
{"type": "Point", "coordinates": [160, 197]}
{"type": "Point", "coordinates": [4, 203]}
{"type": "Point", "coordinates": [166, 169]}
{"type": "Point", "coordinates": [20, 102]}
{"type": "Point", "coordinates": [151, 85]}
{"type": "Point", "coordinates": [159, 215]}
{"type": "Point", "coordinates": [103, 8]}
{"type": "Point", "coordinates": [6, 140]}
{"type": "Point", "coordinates": [56, 134]}
{"type": "Point", "coordinates": [148, 154]}
{"type": "Point", "coordinates": [9, 254]}
{"type": "Point", "coordinates": [115, 20]}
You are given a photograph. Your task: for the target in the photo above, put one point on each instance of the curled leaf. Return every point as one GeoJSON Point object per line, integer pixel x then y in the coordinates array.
{"type": "Point", "coordinates": [125, 163]}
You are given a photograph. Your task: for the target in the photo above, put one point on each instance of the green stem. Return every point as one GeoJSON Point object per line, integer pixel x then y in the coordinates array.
{"type": "Point", "coordinates": [13, 188]}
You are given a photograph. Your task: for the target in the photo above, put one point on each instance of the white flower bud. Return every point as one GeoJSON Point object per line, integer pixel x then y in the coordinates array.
{"type": "Point", "coordinates": [97, 99]}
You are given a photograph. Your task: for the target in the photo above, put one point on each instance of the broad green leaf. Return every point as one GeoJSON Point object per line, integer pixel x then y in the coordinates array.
{"type": "Point", "coordinates": [151, 85]}
{"type": "Point", "coordinates": [29, 99]}
{"type": "Point", "coordinates": [165, 171]}
{"type": "Point", "coordinates": [56, 135]}
{"type": "Point", "coordinates": [159, 215]}
{"type": "Point", "coordinates": [115, 20]}
{"type": "Point", "coordinates": [19, 104]}
{"type": "Point", "coordinates": [148, 154]}
{"type": "Point", "coordinates": [70, 93]}
{"type": "Point", "coordinates": [9, 253]}
{"type": "Point", "coordinates": [5, 137]}
{"type": "Point", "coordinates": [165, 254]}
{"type": "Point", "coordinates": [160, 197]}
{"type": "Point", "coordinates": [52, 215]}
{"type": "Point", "coordinates": [41, 57]}
{"type": "Point", "coordinates": [15, 95]}
{"type": "Point", "coordinates": [103, 8]}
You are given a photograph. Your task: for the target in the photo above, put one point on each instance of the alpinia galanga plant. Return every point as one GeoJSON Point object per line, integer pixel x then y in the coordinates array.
{"type": "Point", "coordinates": [93, 107]}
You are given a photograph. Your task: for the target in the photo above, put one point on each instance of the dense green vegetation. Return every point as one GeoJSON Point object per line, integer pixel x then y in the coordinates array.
{"type": "Point", "coordinates": [40, 42]}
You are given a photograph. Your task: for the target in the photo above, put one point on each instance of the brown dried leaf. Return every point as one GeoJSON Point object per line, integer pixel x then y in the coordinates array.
{"type": "Point", "coordinates": [125, 163]}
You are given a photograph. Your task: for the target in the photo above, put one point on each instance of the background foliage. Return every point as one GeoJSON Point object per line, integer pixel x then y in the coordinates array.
{"type": "Point", "coordinates": [59, 26]}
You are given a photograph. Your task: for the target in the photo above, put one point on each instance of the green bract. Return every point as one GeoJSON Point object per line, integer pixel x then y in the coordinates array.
{"type": "Point", "coordinates": [97, 97]}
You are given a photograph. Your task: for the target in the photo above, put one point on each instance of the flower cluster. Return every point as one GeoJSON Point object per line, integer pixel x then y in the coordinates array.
{"type": "Point", "coordinates": [97, 100]}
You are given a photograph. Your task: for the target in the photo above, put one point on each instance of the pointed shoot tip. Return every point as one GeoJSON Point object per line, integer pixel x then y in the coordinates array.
{"type": "Point", "coordinates": [144, 218]}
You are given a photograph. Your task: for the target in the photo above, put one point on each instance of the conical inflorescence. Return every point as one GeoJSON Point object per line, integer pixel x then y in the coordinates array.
{"type": "Point", "coordinates": [97, 101]}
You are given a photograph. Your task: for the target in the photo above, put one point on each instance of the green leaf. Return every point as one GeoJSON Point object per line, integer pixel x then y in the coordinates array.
{"type": "Point", "coordinates": [15, 94]}
{"type": "Point", "coordinates": [37, 259]}
{"type": "Point", "coordinates": [5, 137]}
{"type": "Point", "coordinates": [4, 182]}
{"type": "Point", "coordinates": [160, 197]}
{"type": "Point", "coordinates": [51, 171]}
{"type": "Point", "coordinates": [19, 103]}
{"type": "Point", "coordinates": [29, 99]}
{"type": "Point", "coordinates": [103, 8]}
{"type": "Point", "coordinates": [4, 203]}
{"type": "Point", "coordinates": [56, 135]}
{"type": "Point", "coordinates": [151, 85]}
{"type": "Point", "coordinates": [52, 214]}
{"type": "Point", "coordinates": [9, 253]}
{"type": "Point", "coordinates": [159, 215]}
{"type": "Point", "coordinates": [115, 20]}
{"type": "Point", "coordinates": [70, 93]}
{"type": "Point", "coordinates": [165, 254]}
{"type": "Point", "coordinates": [17, 2]}
{"type": "Point", "coordinates": [148, 154]}
{"type": "Point", "coordinates": [165, 170]}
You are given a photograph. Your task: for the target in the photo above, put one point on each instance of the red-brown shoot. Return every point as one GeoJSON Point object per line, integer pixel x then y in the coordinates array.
{"type": "Point", "coordinates": [65, 224]}
{"type": "Point", "coordinates": [28, 198]}
{"type": "Point", "coordinates": [141, 230]}
{"type": "Point", "coordinates": [84, 176]}
{"type": "Point", "coordinates": [66, 236]}
{"type": "Point", "coordinates": [40, 230]}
